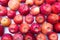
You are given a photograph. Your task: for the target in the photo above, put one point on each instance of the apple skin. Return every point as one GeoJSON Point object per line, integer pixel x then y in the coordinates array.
{"type": "Point", "coordinates": [57, 27]}
{"type": "Point", "coordinates": [23, 9]}
{"type": "Point", "coordinates": [56, 8]}
{"type": "Point", "coordinates": [59, 18]}
{"type": "Point", "coordinates": [1, 30]}
{"type": "Point", "coordinates": [58, 0]}
{"type": "Point", "coordinates": [35, 28]}
{"type": "Point", "coordinates": [18, 36]}
{"type": "Point", "coordinates": [13, 28]}
{"type": "Point", "coordinates": [41, 36]}
{"type": "Point", "coordinates": [12, 3]}
{"type": "Point", "coordinates": [5, 22]}
{"type": "Point", "coordinates": [52, 36]}
{"type": "Point", "coordinates": [29, 18]}
{"type": "Point", "coordinates": [11, 14]}
{"type": "Point", "coordinates": [4, 2]}
{"type": "Point", "coordinates": [3, 11]}
{"type": "Point", "coordinates": [24, 28]}
{"type": "Point", "coordinates": [46, 27]}
{"type": "Point", "coordinates": [28, 36]}
{"type": "Point", "coordinates": [40, 18]}
{"type": "Point", "coordinates": [39, 2]}
{"type": "Point", "coordinates": [35, 10]}
{"type": "Point", "coordinates": [7, 37]}
{"type": "Point", "coordinates": [45, 9]}
{"type": "Point", "coordinates": [18, 19]}
{"type": "Point", "coordinates": [50, 1]}
{"type": "Point", "coordinates": [0, 19]}
{"type": "Point", "coordinates": [23, 0]}
{"type": "Point", "coordinates": [29, 2]}
{"type": "Point", "coordinates": [53, 18]}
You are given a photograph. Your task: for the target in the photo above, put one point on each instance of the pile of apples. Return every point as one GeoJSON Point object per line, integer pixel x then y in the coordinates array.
{"type": "Point", "coordinates": [32, 19]}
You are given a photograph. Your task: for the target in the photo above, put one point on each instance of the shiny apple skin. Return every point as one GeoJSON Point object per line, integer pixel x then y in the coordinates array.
{"type": "Point", "coordinates": [57, 27]}
{"type": "Point", "coordinates": [7, 37]}
{"type": "Point", "coordinates": [35, 28]}
{"type": "Point", "coordinates": [13, 28]}
{"type": "Point", "coordinates": [40, 18]}
{"type": "Point", "coordinates": [53, 18]}
{"type": "Point", "coordinates": [3, 11]}
{"type": "Point", "coordinates": [46, 27]}
{"type": "Point", "coordinates": [29, 18]}
{"type": "Point", "coordinates": [23, 9]}
{"type": "Point", "coordinates": [11, 14]}
{"type": "Point", "coordinates": [18, 19]}
{"type": "Point", "coordinates": [41, 36]}
{"type": "Point", "coordinates": [18, 36]}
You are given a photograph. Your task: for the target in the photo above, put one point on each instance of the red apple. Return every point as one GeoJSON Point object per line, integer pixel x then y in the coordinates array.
{"type": "Point", "coordinates": [18, 36]}
{"type": "Point", "coordinates": [57, 27]}
{"type": "Point", "coordinates": [3, 11]}
{"type": "Point", "coordinates": [29, 2]}
{"type": "Point", "coordinates": [13, 28]}
{"type": "Point", "coordinates": [4, 2]}
{"type": "Point", "coordinates": [50, 1]}
{"type": "Point", "coordinates": [1, 30]}
{"type": "Point", "coordinates": [46, 27]}
{"type": "Point", "coordinates": [18, 19]}
{"type": "Point", "coordinates": [56, 8]}
{"type": "Point", "coordinates": [40, 18]}
{"type": "Point", "coordinates": [45, 9]}
{"type": "Point", "coordinates": [23, 9]}
{"type": "Point", "coordinates": [5, 22]}
{"type": "Point", "coordinates": [24, 28]}
{"type": "Point", "coordinates": [23, 0]}
{"type": "Point", "coordinates": [39, 2]}
{"type": "Point", "coordinates": [41, 37]}
{"type": "Point", "coordinates": [59, 18]}
{"type": "Point", "coordinates": [28, 36]}
{"type": "Point", "coordinates": [7, 37]}
{"type": "Point", "coordinates": [11, 13]}
{"type": "Point", "coordinates": [29, 18]}
{"type": "Point", "coordinates": [52, 36]}
{"type": "Point", "coordinates": [35, 28]}
{"type": "Point", "coordinates": [13, 4]}
{"type": "Point", "coordinates": [35, 10]}
{"type": "Point", "coordinates": [53, 18]}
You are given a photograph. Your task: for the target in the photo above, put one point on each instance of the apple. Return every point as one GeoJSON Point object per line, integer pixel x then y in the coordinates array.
{"type": "Point", "coordinates": [29, 18]}
{"type": "Point", "coordinates": [18, 19]}
{"type": "Point", "coordinates": [24, 28]}
{"type": "Point", "coordinates": [46, 27]}
{"type": "Point", "coordinates": [35, 28]}
{"type": "Point", "coordinates": [13, 28]}
{"type": "Point", "coordinates": [53, 18]}
{"type": "Point", "coordinates": [45, 9]}
{"type": "Point", "coordinates": [34, 10]}
{"type": "Point", "coordinates": [3, 11]}
{"type": "Point", "coordinates": [52, 36]}
{"type": "Point", "coordinates": [12, 4]}
{"type": "Point", "coordinates": [50, 1]}
{"type": "Point", "coordinates": [5, 21]}
{"type": "Point", "coordinates": [57, 27]}
{"type": "Point", "coordinates": [11, 13]}
{"type": "Point", "coordinates": [56, 8]}
{"type": "Point", "coordinates": [39, 2]}
{"type": "Point", "coordinates": [23, 0]}
{"type": "Point", "coordinates": [7, 37]}
{"type": "Point", "coordinates": [1, 30]}
{"type": "Point", "coordinates": [29, 2]}
{"type": "Point", "coordinates": [41, 36]}
{"type": "Point", "coordinates": [28, 36]}
{"type": "Point", "coordinates": [59, 18]}
{"type": "Point", "coordinates": [18, 36]}
{"type": "Point", "coordinates": [23, 9]}
{"type": "Point", "coordinates": [4, 2]}
{"type": "Point", "coordinates": [40, 18]}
